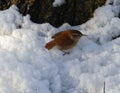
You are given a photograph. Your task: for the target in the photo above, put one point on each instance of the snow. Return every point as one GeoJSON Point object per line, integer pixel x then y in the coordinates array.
{"type": "Point", "coordinates": [27, 67]}
{"type": "Point", "coordinates": [57, 3]}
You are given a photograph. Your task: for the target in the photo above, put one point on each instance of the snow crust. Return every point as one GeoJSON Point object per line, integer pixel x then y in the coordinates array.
{"type": "Point", "coordinates": [27, 67]}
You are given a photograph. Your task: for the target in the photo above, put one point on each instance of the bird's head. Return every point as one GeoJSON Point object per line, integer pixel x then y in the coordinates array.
{"type": "Point", "coordinates": [77, 34]}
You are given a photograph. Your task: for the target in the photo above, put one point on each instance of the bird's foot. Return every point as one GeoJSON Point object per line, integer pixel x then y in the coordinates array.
{"type": "Point", "coordinates": [65, 53]}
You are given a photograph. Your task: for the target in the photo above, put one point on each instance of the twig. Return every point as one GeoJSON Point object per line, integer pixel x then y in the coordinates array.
{"type": "Point", "coordinates": [104, 87]}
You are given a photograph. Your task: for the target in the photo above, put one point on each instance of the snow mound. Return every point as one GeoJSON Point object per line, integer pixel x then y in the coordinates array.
{"type": "Point", "coordinates": [9, 20]}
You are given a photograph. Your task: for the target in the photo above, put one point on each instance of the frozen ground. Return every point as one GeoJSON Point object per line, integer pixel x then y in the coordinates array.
{"type": "Point", "coordinates": [27, 67]}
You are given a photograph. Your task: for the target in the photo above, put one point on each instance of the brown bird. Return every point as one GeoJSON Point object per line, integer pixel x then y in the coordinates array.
{"type": "Point", "coordinates": [64, 40]}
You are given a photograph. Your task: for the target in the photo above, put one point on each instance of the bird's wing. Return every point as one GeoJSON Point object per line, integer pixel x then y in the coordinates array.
{"type": "Point", "coordinates": [57, 34]}
{"type": "Point", "coordinates": [64, 41]}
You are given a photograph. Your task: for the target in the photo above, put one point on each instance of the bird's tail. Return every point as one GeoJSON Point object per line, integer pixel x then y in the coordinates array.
{"type": "Point", "coordinates": [50, 45]}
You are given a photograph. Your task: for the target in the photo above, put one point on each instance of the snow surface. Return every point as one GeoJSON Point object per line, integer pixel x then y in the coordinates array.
{"type": "Point", "coordinates": [27, 67]}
